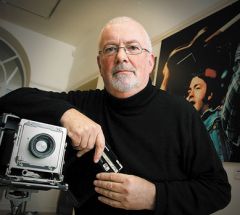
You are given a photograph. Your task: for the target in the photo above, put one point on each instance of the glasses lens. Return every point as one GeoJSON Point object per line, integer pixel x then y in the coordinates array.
{"type": "Point", "coordinates": [110, 49]}
{"type": "Point", "coordinates": [133, 48]}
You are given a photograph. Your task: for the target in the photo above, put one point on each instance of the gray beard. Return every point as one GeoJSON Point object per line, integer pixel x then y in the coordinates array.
{"type": "Point", "coordinates": [124, 83]}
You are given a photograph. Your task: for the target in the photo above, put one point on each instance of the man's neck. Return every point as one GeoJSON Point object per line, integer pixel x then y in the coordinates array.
{"type": "Point", "coordinates": [204, 108]}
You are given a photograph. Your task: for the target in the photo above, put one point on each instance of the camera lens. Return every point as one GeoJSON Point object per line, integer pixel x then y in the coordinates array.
{"type": "Point", "coordinates": [42, 145]}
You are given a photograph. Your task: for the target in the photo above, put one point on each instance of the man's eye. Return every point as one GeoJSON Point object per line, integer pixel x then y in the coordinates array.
{"type": "Point", "coordinates": [133, 48]}
{"type": "Point", "coordinates": [110, 49]}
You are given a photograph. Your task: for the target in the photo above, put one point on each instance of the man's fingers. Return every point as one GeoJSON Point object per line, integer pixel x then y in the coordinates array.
{"type": "Point", "coordinates": [82, 152]}
{"type": "Point", "coordinates": [99, 147]}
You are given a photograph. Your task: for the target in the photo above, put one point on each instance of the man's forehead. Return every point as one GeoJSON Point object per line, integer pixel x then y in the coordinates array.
{"type": "Point", "coordinates": [121, 32]}
{"type": "Point", "coordinates": [197, 81]}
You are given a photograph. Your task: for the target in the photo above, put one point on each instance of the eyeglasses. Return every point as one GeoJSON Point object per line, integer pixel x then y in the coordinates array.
{"type": "Point", "coordinates": [129, 48]}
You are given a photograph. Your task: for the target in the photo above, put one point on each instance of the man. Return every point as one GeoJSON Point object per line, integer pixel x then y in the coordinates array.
{"type": "Point", "coordinates": [221, 121]}
{"type": "Point", "coordinates": [201, 94]}
{"type": "Point", "coordinates": [169, 164]}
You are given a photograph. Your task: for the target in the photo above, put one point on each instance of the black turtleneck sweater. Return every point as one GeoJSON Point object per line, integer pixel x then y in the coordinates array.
{"type": "Point", "coordinates": [156, 136]}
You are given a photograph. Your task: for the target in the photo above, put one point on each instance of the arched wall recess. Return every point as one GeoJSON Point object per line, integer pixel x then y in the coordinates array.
{"type": "Point", "coordinates": [14, 63]}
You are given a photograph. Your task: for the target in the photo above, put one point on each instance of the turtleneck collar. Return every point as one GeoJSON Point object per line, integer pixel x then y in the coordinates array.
{"type": "Point", "coordinates": [131, 104]}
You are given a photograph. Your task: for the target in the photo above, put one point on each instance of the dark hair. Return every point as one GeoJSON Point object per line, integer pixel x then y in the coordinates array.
{"type": "Point", "coordinates": [214, 88]}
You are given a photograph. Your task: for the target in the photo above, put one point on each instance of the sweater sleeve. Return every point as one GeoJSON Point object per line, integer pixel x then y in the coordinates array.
{"type": "Point", "coordinates": [205, 188]}
{"type": "Point", "coordinates": [35, 104]}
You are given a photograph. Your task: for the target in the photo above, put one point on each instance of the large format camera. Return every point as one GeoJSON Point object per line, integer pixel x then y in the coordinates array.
{"type": "Point", "coordinates": [32, 158]}
{"type": "Point", "coordinates": [31, 155]}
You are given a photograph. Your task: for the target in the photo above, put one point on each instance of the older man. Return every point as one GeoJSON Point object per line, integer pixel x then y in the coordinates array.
{"type": "Point", "coordinates": [169, 163]}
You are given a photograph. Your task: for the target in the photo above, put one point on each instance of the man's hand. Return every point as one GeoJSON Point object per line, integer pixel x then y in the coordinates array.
{"type": "Point", "coordinates": [84, 133]}
{"type": "Point", "coordinates": [125, 191]}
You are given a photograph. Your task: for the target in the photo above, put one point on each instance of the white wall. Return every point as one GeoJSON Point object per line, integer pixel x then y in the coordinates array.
{"type": "Point", "coordinates": [50, 60]}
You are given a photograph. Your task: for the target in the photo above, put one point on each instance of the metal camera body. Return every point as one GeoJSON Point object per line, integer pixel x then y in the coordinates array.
{"type": "Point", "coordinates": [32, 153]}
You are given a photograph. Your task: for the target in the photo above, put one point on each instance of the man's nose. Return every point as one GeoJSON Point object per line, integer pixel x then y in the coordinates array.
{"type": "Point", "coordinates": [121, 55]}
{"type": "Point", "coordinates": [190, 94]}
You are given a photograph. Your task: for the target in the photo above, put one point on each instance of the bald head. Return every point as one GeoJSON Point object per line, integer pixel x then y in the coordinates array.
{"type": "Point", "coordinates": [126, 21]}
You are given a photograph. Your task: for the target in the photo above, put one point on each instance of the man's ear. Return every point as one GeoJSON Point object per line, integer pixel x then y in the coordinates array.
{"type": "Point", "coordinates": [99, 64]}
{"type": "Point", "coordinates": [151, 62]}
{"type": "Point", "coordinates": [210, 96]}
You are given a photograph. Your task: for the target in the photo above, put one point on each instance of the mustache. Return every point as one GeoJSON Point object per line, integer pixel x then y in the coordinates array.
{"type": "Point", "coordinates": [123, 67]}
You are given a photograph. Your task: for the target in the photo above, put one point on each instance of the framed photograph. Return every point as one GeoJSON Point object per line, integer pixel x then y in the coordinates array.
{"type": "Point", "coordinates": [207, 54]}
